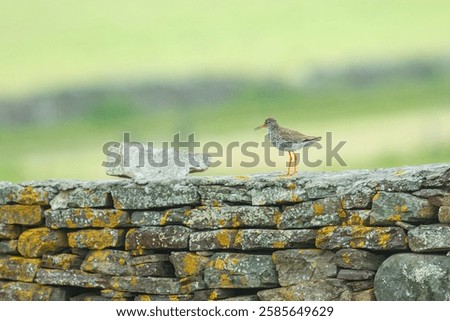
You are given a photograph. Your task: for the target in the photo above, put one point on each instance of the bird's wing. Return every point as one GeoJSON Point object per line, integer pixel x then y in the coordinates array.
{"type": "Point", "coordinates": [297, 136]}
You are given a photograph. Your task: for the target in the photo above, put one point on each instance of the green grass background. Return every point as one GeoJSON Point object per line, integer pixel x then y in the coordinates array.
{"type": "Point", "coordinates": [48, 45]}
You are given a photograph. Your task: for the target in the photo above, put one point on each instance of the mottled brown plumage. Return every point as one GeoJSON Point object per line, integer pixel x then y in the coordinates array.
{"type": "Point", "coordinates": [288, 140]}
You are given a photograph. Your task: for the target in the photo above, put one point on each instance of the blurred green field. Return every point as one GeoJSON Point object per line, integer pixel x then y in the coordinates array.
{"type": "Point", "coordinates": [51, 45]}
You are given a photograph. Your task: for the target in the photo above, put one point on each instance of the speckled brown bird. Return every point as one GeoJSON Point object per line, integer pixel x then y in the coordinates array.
{"type": "Point", "coordinates": [287, 140]}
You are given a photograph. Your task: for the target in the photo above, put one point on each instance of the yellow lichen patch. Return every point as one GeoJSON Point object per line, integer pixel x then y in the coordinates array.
{"type": "Point", "coordinates": [190, 264]}
{"type": "Point", "coordinates": [318, 208]}
{"type": "Point", "coordinates": [213, 295]}
{"type": "Point", "coordinates": [122, 261]}
{"type": "Point", "coordinates": [376, 196]}
{"type": "Point", "coordinates": [342, 214]}
{"type": "Point", "coordinates": [404, 208]}
{"type": "Point", "coordinates": [173, 297]}
{"type": "Point", "coordinates": [223, 237]}
{"type": "Point", "coordinates": [225, 281]}
{"type": "Point", "coordinates": [221, 222]}
{"type": "Point", "coordinates": [383, 239]}
{"type": "Point", "coordinates": [235, 221]}
{"type": "Point", "coordinates": [238, 239]}
{"type": "Point", "coordinates": [235, 261]}
{"type": "Point", "coordinates": [279, 245]}
{"type": "Point", "coordinates": [291, 186]}
{"type": "Point", "coordinates": [394, 217]}
{"type": "Point", "coordinates": [216, 203]}
{"type": "Point", "coordinates": [277, 217]}
{"type": "Point", "coordinates": [295, 198]}
{"type": "Point", "coordinates": [219, 264]}
{"type": "Point", "coordinates": [346, 258]}
{"type": "Point", "coordinates": [133, 281]}
{"type": "Point", "coordinates": [324, 234]}
{"type": "Point", "coordinates": [163, 220]}
{"type": "Point", "coordinates": [187, 212]}
{"type": "Point", "coordinates": [357, 244]}
{"type": "Point", "coordinates": [18, 268]}
{"type": "Point", "coordinates": [145, 297]}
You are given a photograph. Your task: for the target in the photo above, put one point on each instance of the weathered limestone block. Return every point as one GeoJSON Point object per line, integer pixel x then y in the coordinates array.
{"type": "Point", "coordinates": [287, 193]}
{"type": "Point", "coordinates": [233, 217]}
{"type": "Point", "coordinates": [9, 247]}
{"type": "Point", "coordinates": [444, 214]}
{"type": "Point", "coordinates": [192, 284]}
{"type": "Point", "coordinates": [109, 262]}
{"type": "Point", "coordinates": [355, 275]}
{"type": "Point", "coordinates": [358, 259]}
{"type": "Point", "coordinates": [298, 265]}
{"type": "Point", "coordinates": [155, 297]}
{"type": "Point", "coordinates": [163, 269]}
{"type": "Point", "coordinates": [356, 217]}
{"type": "Point", "coordinates": [435, 196]}
{"type": "Point", "coordinates": [228, 194]}
{"type": "Point", "coordinates": [214, 294]}
{"type": "Point", "coordinates": [361, 237]}
{"type": "Point", "coordinates": [168, 237]}
{"type": "Point", "coordinates": [151, 258]}
{"type": "Point", "coordinates": [360, 199]}
{"type": "Point", "coordinates": [251, 239]}
{"type": "Point", "coordinates": [430, 238]}
{"type": "Point", "coordinates": [96, 239]}
{"type": "Point", "coordinates": [150, 285]}
{"type": "Point", "coordinates": [187, 263]}
{"type": "Point", "coordinates": [322, 212]}
{"type": "Point", "coordinates": [81, 197]}
{"type": "Point", "coordinates": [309, 290]}
{"type": "Point", "coordinates": [20, 291]}
{"type": "Point", "coordinates": [86, 217]}
{"type": "Point", "coordinates": [63, 261]}
{"type": "Point", "coordinates": [388, 208]}
{"type": "Point", "coordinates": [9, 232]}
{"type": "Point", "coordinates": [21, 214]}
{"type": "Point", "coordinates": [357, 286]}
{"type": "Point", "coordinates": [257, 239]}
{"type": "Point", "coordinates": [38, 241]}
{"type": "Point", "coordinates": [160, 218]}
{"type": "Point", "coordinates": [366, 295]}
{"type": "Point", "coordinates": [18, 268]}
{"type": "Point", "coordinates": [26, 195]}
{"type": "Point", "coordinates": [154, 196]}
{"type": "Point", "coordinates": [213, 240]}
{"type": "Point", "coordinates": [144, 163]}
{"type": "Point", "coordinates": [236, 270]}
{"type": "Point", "coordinates": [71, 278]}
{"type": "Point", "coordinates": [413, 277]}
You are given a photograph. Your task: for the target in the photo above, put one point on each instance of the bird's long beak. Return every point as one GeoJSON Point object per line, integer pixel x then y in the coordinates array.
{"type": "Point", "coordinates": [262, 126]}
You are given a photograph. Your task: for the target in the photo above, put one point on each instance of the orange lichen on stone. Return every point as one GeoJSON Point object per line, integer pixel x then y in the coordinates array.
{"type": "Point", "coordinates": [225, 281]}
{"type": "Point", "coordinates": [213, 295]}
{"type": "Point", "coordinates": [223, 237]}
{"type": "Point", "coordinates": [277, 217]}
{"type": "Point", "coordinates": [291, 186]}
{"type": "Point", "coordinates": [235, 221]}
{"type": "Point", "coordinates": [318, 208]}
{"type": "Point", "coordinates": [279, 244]}
{"type": "Point", "coordinates": [21, 214]}
{"type": "Point", "coordinates": [324, 234]}
{"type": "Point", "coordinates": [376, 196]}
{"type": "Point", "coordinates": [163, 220]}
{"type": "Point", "coordinates": [38, 241]}
{"type": "Point", "coordinates": [190, 263]}
{"type": "Point", "coordinates": [346, 258]}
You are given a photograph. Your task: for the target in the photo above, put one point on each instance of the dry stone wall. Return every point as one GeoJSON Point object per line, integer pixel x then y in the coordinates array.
{"type": "Point", "coordinates": [350, 235]}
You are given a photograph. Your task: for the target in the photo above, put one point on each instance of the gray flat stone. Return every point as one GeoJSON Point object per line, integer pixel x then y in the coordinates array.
{"type": "Point", "coordinates": [430, 238]}
{"type": "Point", "coordinates": [355, 275]}
{"type": "Point", "coordinates": [145, 164]}
{"type": "Point", "coordinates": [233, 271]}
{"type": "Point", "coordinates": [388, 208]}
{"type": "Point", "coordinates": [309, 290]}
{"type": "Point", "coordinates": [167, 237]}
{"type": "Point", "coordinates": [358, 259]}
{"type": "Point", "coordinates": [298, 265]}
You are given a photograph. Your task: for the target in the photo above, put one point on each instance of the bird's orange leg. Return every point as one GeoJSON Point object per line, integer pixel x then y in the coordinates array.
{"type": "Point", "coordinates": [289, 165]}
{"type": "Point", "coordinates": [295, 163]}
